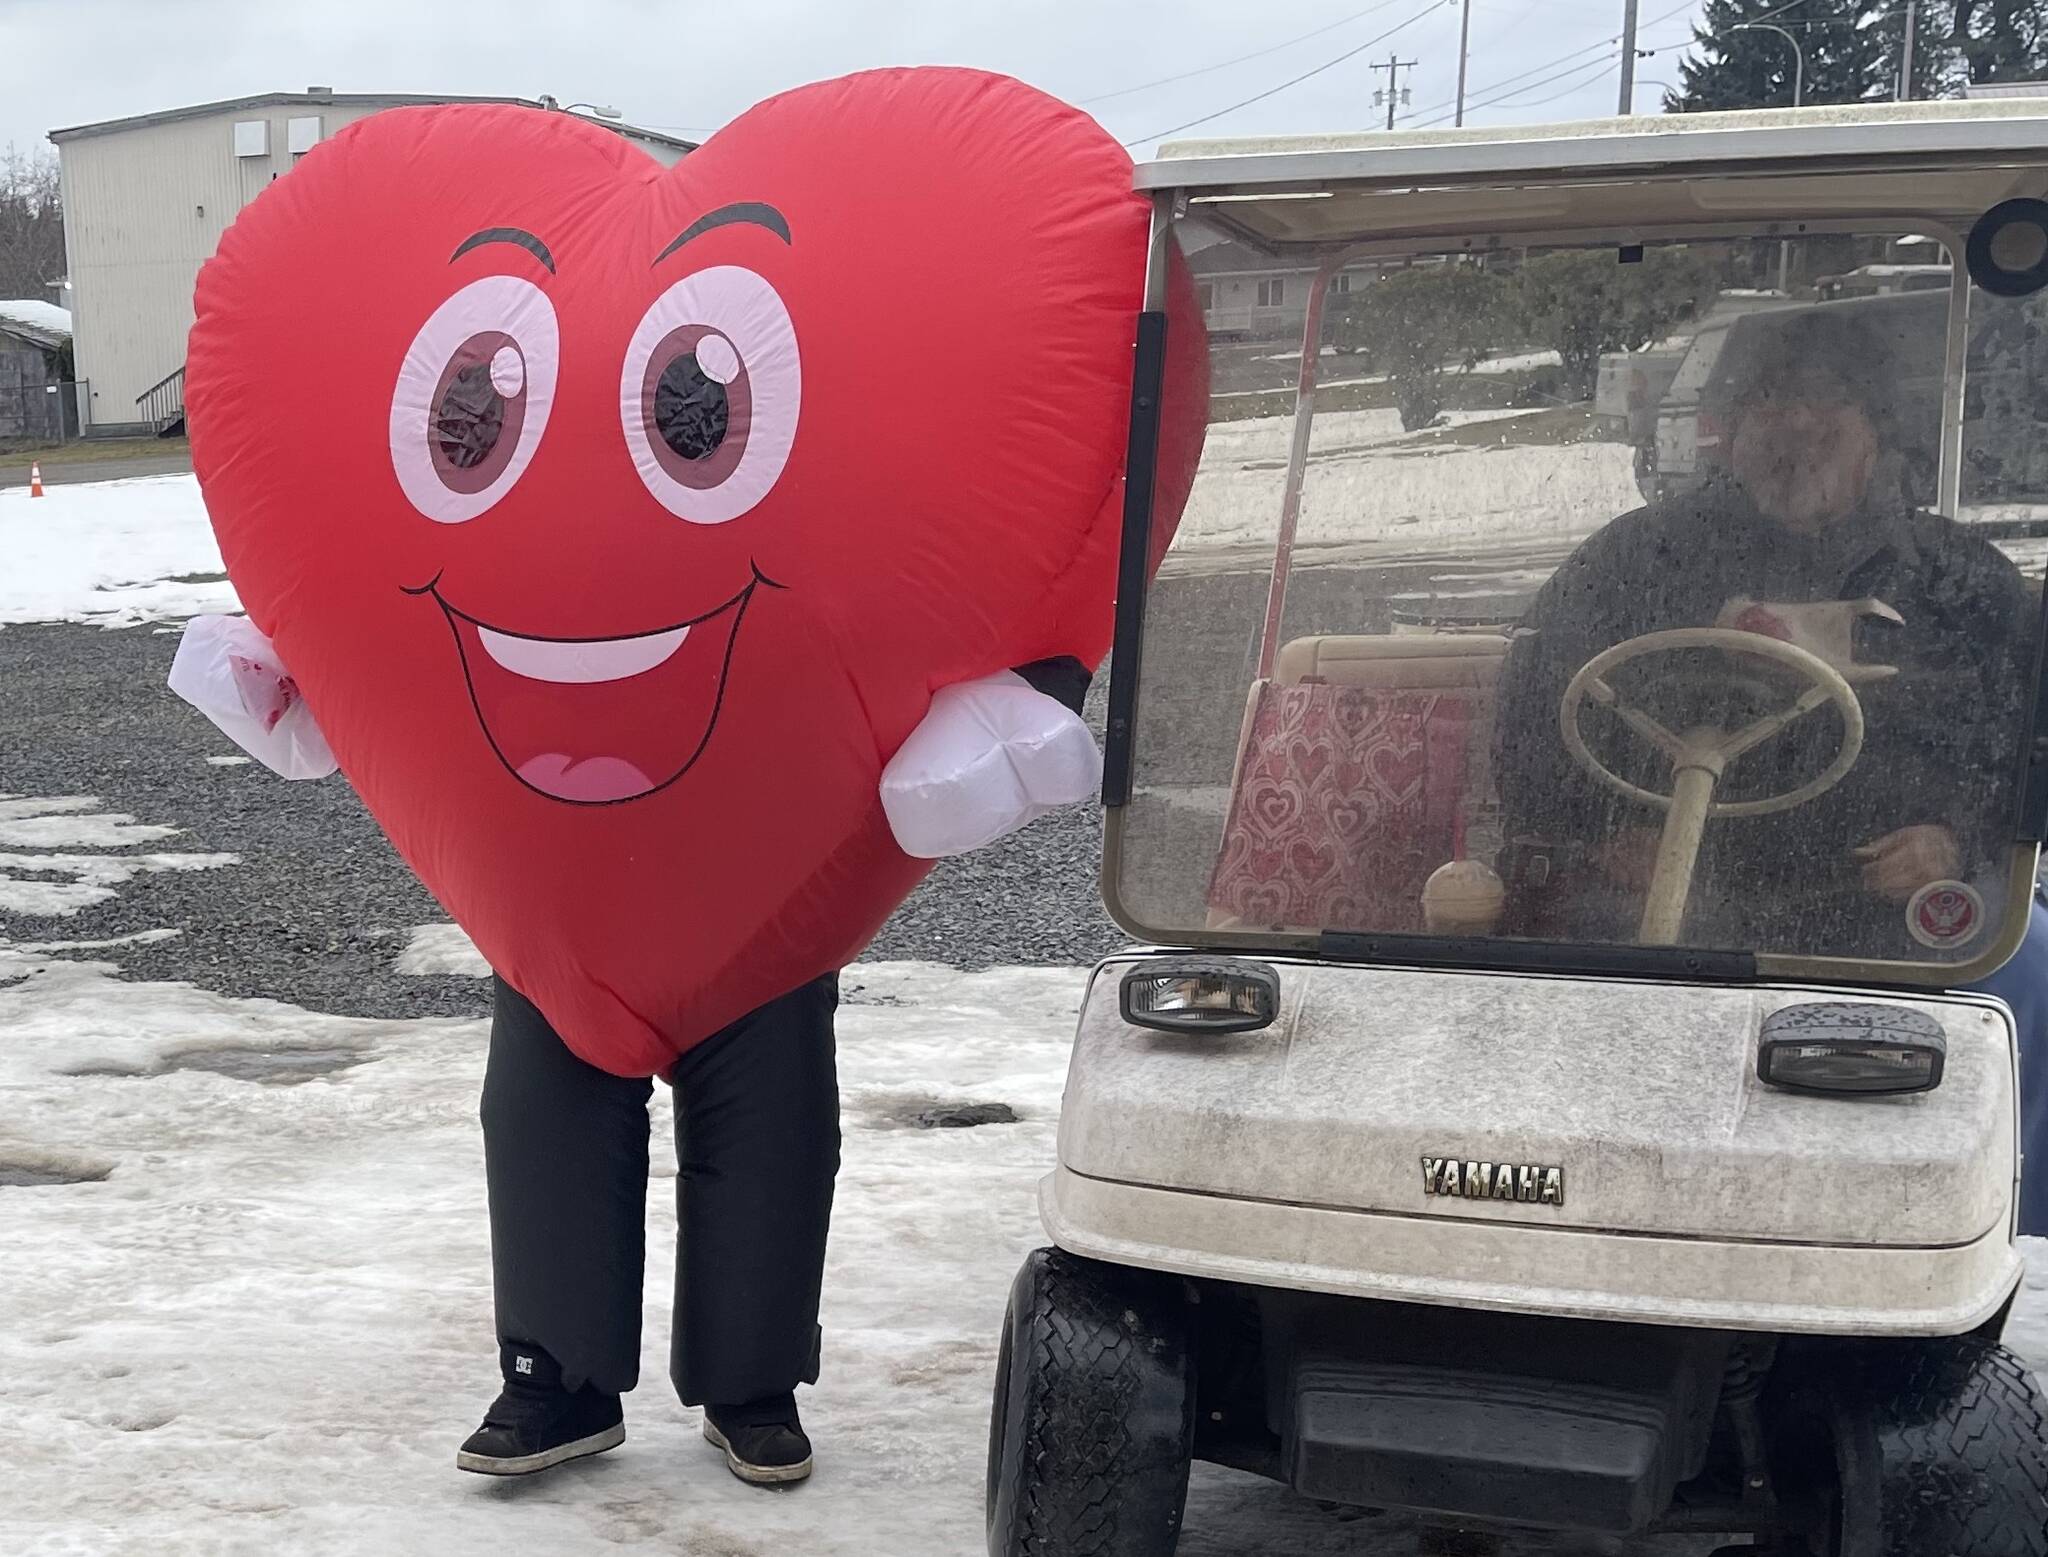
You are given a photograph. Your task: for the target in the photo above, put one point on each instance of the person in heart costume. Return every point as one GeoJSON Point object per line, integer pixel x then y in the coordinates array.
{"type": "Point", "coordinates": [675, 561]}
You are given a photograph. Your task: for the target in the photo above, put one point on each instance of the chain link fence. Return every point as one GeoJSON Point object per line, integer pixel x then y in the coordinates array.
{"type": "Point", "coordinates": [42, 413]}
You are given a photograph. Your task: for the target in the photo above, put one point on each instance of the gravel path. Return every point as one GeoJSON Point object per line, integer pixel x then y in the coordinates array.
{"type": "Point", "coordinates": [321, 905]}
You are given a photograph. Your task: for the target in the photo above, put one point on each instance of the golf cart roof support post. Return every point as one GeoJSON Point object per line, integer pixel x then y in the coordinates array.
{"type": "Point", "coordinates": [2034, 754]}
{"type": "Point", "coordinates": [1297, 459]}
{"type": "Point", "coordinates": [1948, 497]}
{"type": "Point", "coordinates": [1148, 375]}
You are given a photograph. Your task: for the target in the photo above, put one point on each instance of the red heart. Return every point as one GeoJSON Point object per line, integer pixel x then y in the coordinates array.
{"type": "Point", "coordinates": [1350, 817]}
{"type": "Point", "coordinates": [1269, 907]}
{"type": "Point", "coordinates": [1275, 806]}
{"type": "Point", "coordinates": [1395, 760]}
{"type": "Point", "coordinates": [618, 524]}
{"type": "Point", "coordinates": [1311, 863]}
{"type": "Point", "coordinates": [1309, 760]}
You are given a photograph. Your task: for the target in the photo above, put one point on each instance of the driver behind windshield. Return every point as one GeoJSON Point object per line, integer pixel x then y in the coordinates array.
{"type": "Point", "coordinates": [1812, 535]}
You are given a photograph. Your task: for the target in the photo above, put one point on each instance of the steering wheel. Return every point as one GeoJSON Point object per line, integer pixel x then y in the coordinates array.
{"type": "Point", "coordinates": [1699, 757]}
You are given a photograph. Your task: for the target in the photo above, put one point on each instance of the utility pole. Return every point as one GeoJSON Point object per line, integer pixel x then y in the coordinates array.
{"type": "Point", "coordinates": [1464, 53]}
{"type": "Point", "coordinates": [1396, 96]}
{"type": "Point", "coordinates": [1628, 58]}
{"type": "Point", "coordinates": [1906, 59]}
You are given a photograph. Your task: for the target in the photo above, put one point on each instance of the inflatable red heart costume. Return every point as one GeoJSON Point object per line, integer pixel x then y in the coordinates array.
{"type": "Point", "coordinates": [618, 523]}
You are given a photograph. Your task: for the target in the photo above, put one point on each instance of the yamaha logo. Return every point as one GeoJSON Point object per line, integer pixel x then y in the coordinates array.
{"type": "Point", "coordinates": [1529, 1183]}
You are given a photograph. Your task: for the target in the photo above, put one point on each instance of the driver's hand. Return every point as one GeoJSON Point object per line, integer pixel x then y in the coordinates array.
{"type": "Point", "coordinates": [1901, 863]}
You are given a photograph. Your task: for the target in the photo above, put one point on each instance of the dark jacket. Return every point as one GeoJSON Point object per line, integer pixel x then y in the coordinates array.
{"type": "Point", "coordinates": [1940, 740]}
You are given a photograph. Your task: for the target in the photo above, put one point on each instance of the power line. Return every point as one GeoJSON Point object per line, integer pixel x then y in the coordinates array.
{"type": "Point", "coordinates": [1260, 97]}
{"type": "Point", "coordinates": [1239, 59]}
{"type": "Point", "coordinates": [1561, 59]}
{"type": "Point", "coordinates": [1500, 98]}
{"type": "Point", "coordinates": [1606, 69]}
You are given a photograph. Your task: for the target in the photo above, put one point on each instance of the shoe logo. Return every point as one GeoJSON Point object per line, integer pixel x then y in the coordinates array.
{"type": "Point", "coordinates": [522, 1365]}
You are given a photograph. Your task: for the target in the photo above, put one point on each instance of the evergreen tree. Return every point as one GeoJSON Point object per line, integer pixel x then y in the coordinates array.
{"type": "Point", "coordinates": [1997, 40]}
{"type": "Point", "coordinates": [1852, 50]}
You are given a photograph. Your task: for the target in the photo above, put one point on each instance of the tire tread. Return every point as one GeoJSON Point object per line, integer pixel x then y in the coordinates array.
{"type": "Point", "coordinates": [1961, 1431]}
{"type": "Point", "coordinates": [1090, 1340]}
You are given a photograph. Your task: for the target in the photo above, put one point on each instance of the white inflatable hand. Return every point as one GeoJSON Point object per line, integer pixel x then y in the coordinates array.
{"type": "Point", "coordinates": [989, 756]}
{"type": "Point", "coordinates": [229, 671]}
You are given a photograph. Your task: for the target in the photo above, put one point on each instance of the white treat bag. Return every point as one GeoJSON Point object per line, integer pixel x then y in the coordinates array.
{"type": "Point", "coordinates": [231, 673]}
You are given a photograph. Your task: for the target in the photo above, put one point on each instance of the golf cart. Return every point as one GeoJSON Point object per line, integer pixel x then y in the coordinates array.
{"type": "Point", "coordinates": [1546, 1099]}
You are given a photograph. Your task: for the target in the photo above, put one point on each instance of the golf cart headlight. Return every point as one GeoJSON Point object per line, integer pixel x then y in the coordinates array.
{"type": "Point", "coordinates": [1851, 1049]}
{"type": "Point", "coordinates": [1201, 995]}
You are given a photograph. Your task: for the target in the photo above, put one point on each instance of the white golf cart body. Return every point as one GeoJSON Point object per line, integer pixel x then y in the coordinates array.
{"type": "Point", "coordinates": [1310, 1155]}
{"type": "Point", "coordinates": [1692, 1194]}
{"type": "Point", "coordinates": [1550, 1093]}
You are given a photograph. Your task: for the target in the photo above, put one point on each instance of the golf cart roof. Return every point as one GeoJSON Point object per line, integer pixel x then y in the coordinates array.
{"type": "Point", "coordinates": [1319, 190]}
{"type": "Point", "coordinates": [1639, 144]}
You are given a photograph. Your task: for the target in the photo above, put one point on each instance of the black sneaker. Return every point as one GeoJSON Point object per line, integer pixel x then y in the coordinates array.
{"type": "Point", "coordinates": [764, 1443]}
{"type": "Point", "coordinates": [536, 1423]}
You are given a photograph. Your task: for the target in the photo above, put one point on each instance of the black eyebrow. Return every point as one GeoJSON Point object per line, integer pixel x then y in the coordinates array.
{"type": "Point", "coordinates": [519, 237]}
{"type": "Point", "coordinates": [752, 212]}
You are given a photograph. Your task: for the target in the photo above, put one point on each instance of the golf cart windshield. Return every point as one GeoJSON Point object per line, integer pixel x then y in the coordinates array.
{"type": "Point", "coordinates": [1670, 593]}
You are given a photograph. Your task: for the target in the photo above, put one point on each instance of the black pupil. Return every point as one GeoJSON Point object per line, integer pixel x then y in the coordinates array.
{"type": "Point", "coordinates": [469, 418]}
{"type": "Point", "coordinates": [690, 409]}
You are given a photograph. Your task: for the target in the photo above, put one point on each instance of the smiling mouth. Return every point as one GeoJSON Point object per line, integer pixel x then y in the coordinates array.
{"type": "Point", "coordinates": [596, 721]}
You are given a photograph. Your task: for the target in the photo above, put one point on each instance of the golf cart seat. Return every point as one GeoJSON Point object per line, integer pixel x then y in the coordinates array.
{"type": "Point", "coordinates": [1364, 763]}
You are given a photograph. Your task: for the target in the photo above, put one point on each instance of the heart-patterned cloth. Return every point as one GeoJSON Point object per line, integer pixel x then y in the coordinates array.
{"type": "Point", "coordinates": [1346, 799]}
{"type": "Point", "coordinates": [618, 524]}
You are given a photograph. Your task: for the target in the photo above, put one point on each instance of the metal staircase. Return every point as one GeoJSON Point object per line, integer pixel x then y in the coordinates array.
{"type": "Point", "coordinates": [162, 405]}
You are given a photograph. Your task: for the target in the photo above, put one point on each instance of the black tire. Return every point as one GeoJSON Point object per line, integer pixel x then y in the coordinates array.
{"type": "Point", "coordinates": [1092, 1431]}
{"type": "Point", "coordinates": [1941, 1450]}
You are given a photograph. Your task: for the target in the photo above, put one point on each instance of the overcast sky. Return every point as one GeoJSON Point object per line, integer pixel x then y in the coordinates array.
{"type": "Point", "coordinates": [689, 65]}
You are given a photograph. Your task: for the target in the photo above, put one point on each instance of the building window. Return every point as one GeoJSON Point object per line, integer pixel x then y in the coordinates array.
{"type": "Point", "coordinates": [1205, 294]}
{"type": "Point", "coordinates": [302, 135]}
{"type": "Point", "coordinates": [1273, 293]}
{"type": "Point", "coordinates": [1341, 285]}
{"type": "Point", "coordinates": [252, 138]}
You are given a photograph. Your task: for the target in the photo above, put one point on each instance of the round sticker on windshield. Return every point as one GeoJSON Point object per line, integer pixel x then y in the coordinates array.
{"type": "Point", "coordinates": [1945, 914]}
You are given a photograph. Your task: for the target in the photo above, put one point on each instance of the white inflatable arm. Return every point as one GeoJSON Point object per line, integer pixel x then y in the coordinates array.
{"type": "Point", "coordinates": [230, 672]}
{"type": "Point", "coordinates": [988, 757]}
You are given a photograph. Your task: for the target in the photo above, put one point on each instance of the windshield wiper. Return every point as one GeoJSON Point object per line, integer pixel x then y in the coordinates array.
{"type": "Point", "coordinates": [1686, 963]}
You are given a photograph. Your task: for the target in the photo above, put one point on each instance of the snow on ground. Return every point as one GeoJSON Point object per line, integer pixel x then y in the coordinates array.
{"type": "Point", "coordinates": [60, 883]}
{"type": "Point", "coordinates": [109, 552]}
{"type": "Point", "coordinates": [247, 1296]}
{"type": "Point", "coordinates": [1366, 486]}
{"type": "Point", "coordinates": [260, 1320]}
{"type": "Point", "coordinates": [442, 948]}
{"type": "Point", "coordinates": [1520, 362]}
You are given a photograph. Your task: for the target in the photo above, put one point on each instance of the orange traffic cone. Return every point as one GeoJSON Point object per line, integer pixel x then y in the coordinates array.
{"type": "Point", "coordinates": [35, 479]}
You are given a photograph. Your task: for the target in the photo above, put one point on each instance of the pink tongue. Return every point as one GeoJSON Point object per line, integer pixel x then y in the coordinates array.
{"type": "Point", "coordinates": [591, 781]}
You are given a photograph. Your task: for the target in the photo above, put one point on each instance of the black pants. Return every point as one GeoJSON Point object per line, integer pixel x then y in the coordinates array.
{"type": "Point", "coordinates": [757, 1147]}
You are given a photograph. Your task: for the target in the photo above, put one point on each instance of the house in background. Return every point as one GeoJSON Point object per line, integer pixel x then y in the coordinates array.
{"type": "Point", "coordinates": [1253, 296]}
{"type": "Point", "coordinates": [146, 200]}
{"type": "Point", "coordinates": [36, 404]}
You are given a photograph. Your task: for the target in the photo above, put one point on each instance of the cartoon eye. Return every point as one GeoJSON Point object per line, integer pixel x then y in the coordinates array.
{"type": "Point", "coordinates": [473, 397]}
{"type": "Point", "coordinates": [709, 394]}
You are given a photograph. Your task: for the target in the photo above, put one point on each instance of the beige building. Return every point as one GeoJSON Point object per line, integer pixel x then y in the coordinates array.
{"type": "Point", "coordinates": [146, 200]}
{"type": "Point", "coordinates": [1246, 295]}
